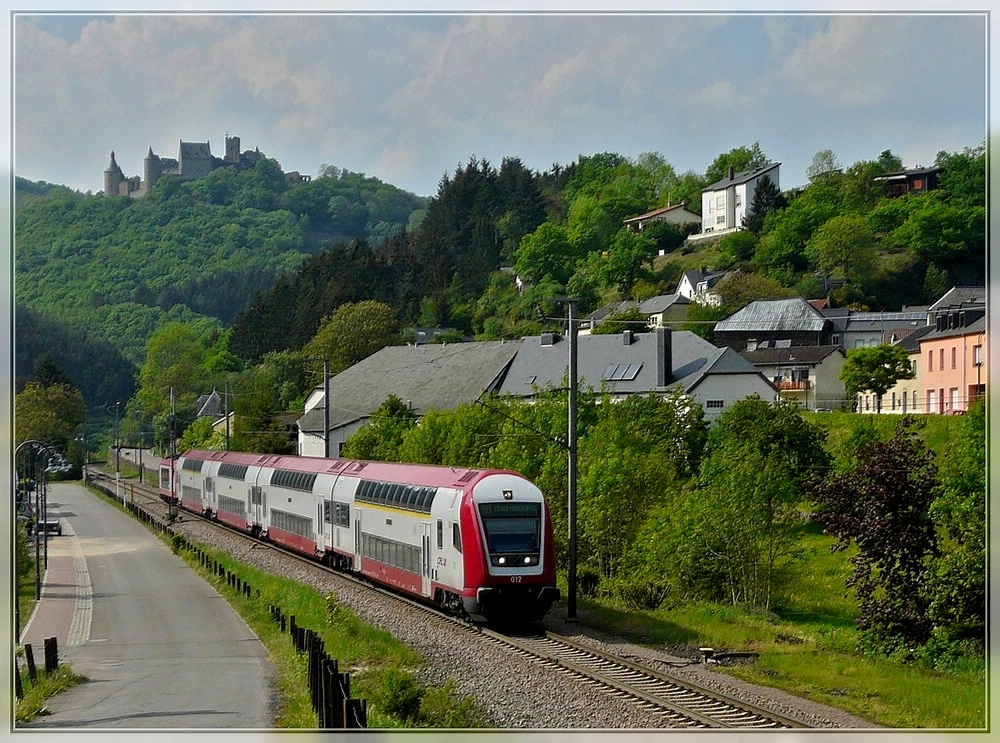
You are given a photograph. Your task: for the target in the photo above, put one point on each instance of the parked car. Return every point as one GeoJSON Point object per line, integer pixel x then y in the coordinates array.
{"type": "Point", "coordinates": [52, 526]}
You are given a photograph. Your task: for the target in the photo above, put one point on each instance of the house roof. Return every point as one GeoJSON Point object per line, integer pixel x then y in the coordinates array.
{"type": "Point", "coordinates": [429, 377]}
{"type": "Point", "coordinates": [959, 295]}
{"type": "Point", "coordinates": [609, 362]}
{"type": "Point", "coordinates": [902, 175]}
{"type": "Point", "coordinates": [911, 341]}
{"type": "Point", "coordinates": [811, 355]}
{"type": "Point", "coordinates": [973, 328]}
{"type": "Point", "coordinates": [652, 306]}
{"type": "Point", "coordinates": [737, 178]}
{"type": "Point", "coordinates": [660, 212]}
{"type": "Point", "coordinates": [774, 315]}
{"type": "Point", "coordinates": [867, 321]}
{"type": "Point", "coordinates": [661, 303]}
{"type": "Point", "coordinates": [210, 405]}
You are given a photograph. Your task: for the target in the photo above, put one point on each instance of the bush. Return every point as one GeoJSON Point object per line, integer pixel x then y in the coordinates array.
{"type": "Point", "coordinates": [587, 582]}
{"type": "Point", "coordinates": [401, 695]}
{"type": "Point", "coordinates": [644, 595]}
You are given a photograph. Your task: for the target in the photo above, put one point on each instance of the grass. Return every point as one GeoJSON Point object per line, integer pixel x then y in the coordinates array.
{"type": "Point", "coordinates": [806, 646]}
{"type": "Point", "coordinates": [937, 431]}
{"type": "Point", "coordinates": [46, 686]}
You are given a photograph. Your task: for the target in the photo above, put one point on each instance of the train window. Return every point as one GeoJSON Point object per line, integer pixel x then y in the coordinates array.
{"type": "Point", "coordinates": [440, 533]}
{"type": "Point", "coordinates": [326, 512]}
{"type": "Point", "coordinates": [397, 494]}
{"type": "Point", "coordinates": [426, 498]}
{"type": "Point", "coordinates": [456, 536]}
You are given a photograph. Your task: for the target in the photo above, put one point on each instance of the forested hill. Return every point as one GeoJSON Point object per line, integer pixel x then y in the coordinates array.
{"type": "Point", "coordinates": [267, 262]}
{"type": "Point", "coordinates": [118, 268]}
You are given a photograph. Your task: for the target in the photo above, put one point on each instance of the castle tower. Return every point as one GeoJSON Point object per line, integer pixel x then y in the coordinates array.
{"type": "Point", "coordinates": [113, 178]}
{"type": "Point", "coordinates": [151, 170]}
{"type": "Point", "coordinates": [232, 149]}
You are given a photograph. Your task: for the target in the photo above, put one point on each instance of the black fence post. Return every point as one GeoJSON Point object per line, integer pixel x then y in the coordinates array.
{"type": "Point", "coordinates": [29, 654]}
{"type": "Point", "coordinates": [51, 655]}
{"type": "Point", "coordinates": [355, 713]}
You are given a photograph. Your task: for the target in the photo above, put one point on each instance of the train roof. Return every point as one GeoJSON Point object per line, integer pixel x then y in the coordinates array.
{"type": "Point", "coordinates": [417, 474]}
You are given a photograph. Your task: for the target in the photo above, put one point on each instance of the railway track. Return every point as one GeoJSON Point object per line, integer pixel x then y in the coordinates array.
{"type": "Point", "coordinates": [682, 703]}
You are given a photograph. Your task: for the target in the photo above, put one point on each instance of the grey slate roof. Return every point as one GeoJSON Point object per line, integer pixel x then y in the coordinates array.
{"type": "Point", "coordinates": [638, 364]}
{"type": "Point", "coordinates": [741, 177]}
{"type": "Point", "coordinates": [774, 315]}
{"type": "Point", "coordinates": [976, 326]}
{"type": "Point", "coordinates": [652, 306]}
{"type": "Point", "coordinates": [431, 377]}
{"type": "Point", "coordinates": [785, 355]}
{"type": "Point", "coordinates": [661, 303]}
{"type": "Point", "coordinates": [960, 295]}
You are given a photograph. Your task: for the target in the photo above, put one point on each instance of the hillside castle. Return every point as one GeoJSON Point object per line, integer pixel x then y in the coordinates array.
{"type": "Point", "coordinates": [194, 160]}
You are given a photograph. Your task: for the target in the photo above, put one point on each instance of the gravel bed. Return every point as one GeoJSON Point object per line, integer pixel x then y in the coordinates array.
{"type": "Point", "coordinates": [515, 693]}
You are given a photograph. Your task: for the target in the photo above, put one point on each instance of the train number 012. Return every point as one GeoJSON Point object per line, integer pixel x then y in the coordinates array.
{"type": "Point", "coordinates": [515, 579]}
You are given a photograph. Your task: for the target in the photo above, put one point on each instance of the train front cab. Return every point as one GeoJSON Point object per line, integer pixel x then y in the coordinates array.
{"type": "Point", "coordinates": [513, 571]}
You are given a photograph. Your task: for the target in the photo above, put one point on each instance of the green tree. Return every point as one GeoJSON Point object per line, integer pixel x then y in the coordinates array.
{"type": "Point", "coordinates": [622, 264]}
{"type": "Point", "coordinates": [767, 198]}
{"type": "Point", "coordinates": [353, 332]}
{"type": "Point", "coordinates": [546, 252]}
{"type": "Point", "coordinates": [956, 586]}
{"type": "Point", "coordinates": [844, 245]}
{"type": "Point", "coordinates": [739, 159]}
{"type": "Point", "coordinates": [875, 369]}
{"type": "Point", "coordinates": [381, 439]}
{"type": "Point", "coordinates": [882, 504]}
{"type": "Point", "coordinates": [632, 458]}
{"type": "Point", "coordinates": [823, 164]}
{"type": "Point", "coordinates": [728, 536]}
{"type": "Point", "coordinates": [48, 413]}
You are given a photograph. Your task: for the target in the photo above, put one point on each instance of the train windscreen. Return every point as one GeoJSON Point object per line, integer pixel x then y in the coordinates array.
{"type": "Point", "coordinates": [512, 528]}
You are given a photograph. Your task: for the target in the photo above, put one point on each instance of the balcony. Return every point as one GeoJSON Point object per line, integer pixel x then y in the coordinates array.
{"type": "Point", "coordinates": [787, 386]}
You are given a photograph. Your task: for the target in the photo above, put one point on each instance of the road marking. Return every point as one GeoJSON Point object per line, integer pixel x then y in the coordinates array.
{"type": "Point", "coordinates": [83, 609]}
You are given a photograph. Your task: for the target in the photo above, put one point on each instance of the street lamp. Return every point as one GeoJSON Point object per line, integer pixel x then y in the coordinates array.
{"type": "Point", "coordinates": [40, 449]}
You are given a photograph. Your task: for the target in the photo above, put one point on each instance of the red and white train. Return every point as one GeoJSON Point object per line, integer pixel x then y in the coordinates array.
{"type": "Point", "coordinates": [476, 542]}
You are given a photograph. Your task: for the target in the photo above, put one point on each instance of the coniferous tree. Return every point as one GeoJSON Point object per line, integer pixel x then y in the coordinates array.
{"type": "Point", "coordinates": [766, 199]}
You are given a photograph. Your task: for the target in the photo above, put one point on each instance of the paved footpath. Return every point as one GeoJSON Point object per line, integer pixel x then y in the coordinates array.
{"type": "Point", "coordinates": [159, 646]}
{"type": "Point", "coordinates": [66, 604]}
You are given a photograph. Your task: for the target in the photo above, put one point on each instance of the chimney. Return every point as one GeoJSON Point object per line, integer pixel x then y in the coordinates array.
{"type": "Point", "coordinates": [627, 337]}
{"type": "Point", "coordinates": [732, 172]}
{"type": "Point", "coordinates": [664, 357]}
{"type": "Point", "coordinates": [548, 339]}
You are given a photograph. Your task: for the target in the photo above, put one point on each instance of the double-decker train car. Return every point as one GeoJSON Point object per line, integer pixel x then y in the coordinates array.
{"type": "Point", "coordinates": [477, 542]}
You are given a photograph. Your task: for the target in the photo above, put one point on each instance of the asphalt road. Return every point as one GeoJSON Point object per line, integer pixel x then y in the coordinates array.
{"type": "Point", "coordinates": [160, 647]}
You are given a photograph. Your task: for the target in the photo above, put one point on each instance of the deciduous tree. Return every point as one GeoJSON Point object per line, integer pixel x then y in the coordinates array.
{"type": "Point", "coordinates": [875, 369]}
{"type": "Point", "coordinates": [882, 505]}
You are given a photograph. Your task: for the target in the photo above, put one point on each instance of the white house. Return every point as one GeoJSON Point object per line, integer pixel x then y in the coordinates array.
{"type": "Point", "coordinates": [725, 203]}
{"type": "Point", "coordinates": [697, 286]}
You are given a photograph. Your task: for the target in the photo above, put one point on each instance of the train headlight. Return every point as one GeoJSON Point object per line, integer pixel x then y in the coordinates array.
{"type": "Point", "coordinates": [502, 560]}
{"type": "Point", "coordinates": [527, 560]}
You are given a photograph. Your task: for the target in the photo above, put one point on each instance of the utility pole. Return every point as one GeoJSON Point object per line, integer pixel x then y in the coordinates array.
{"type": "Point", "coordinates": [571, 468]}
{"type": "Point", "coordinates": [326, 408]}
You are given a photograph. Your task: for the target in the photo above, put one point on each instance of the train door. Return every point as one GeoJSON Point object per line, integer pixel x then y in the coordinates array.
{"type": "Point", "coordinates": [209, 494]}
{"type": "Point", "coordinates": [425, 559]}
{"type": "Point", "coordinates": [321, 521]}
{"type": "Point", "coordinates": [256, 510]}
{"type": "Point", "coordinates": [356, 520]}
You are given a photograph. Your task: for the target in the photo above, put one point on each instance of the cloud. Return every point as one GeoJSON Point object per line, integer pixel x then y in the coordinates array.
{"type": "Point", "coordinates": [857, 61]}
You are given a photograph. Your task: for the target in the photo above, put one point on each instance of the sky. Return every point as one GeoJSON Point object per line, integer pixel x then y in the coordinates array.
{"type": "Point", "coordinates": [408, 97]}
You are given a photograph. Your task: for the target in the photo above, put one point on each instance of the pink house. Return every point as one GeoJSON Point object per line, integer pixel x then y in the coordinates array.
{"type": "Point", "coordinates": [953, 362]}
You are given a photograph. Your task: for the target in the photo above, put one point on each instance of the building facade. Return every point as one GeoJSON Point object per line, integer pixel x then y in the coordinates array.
{"type": "Point", "coordinates": [726, 202]}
